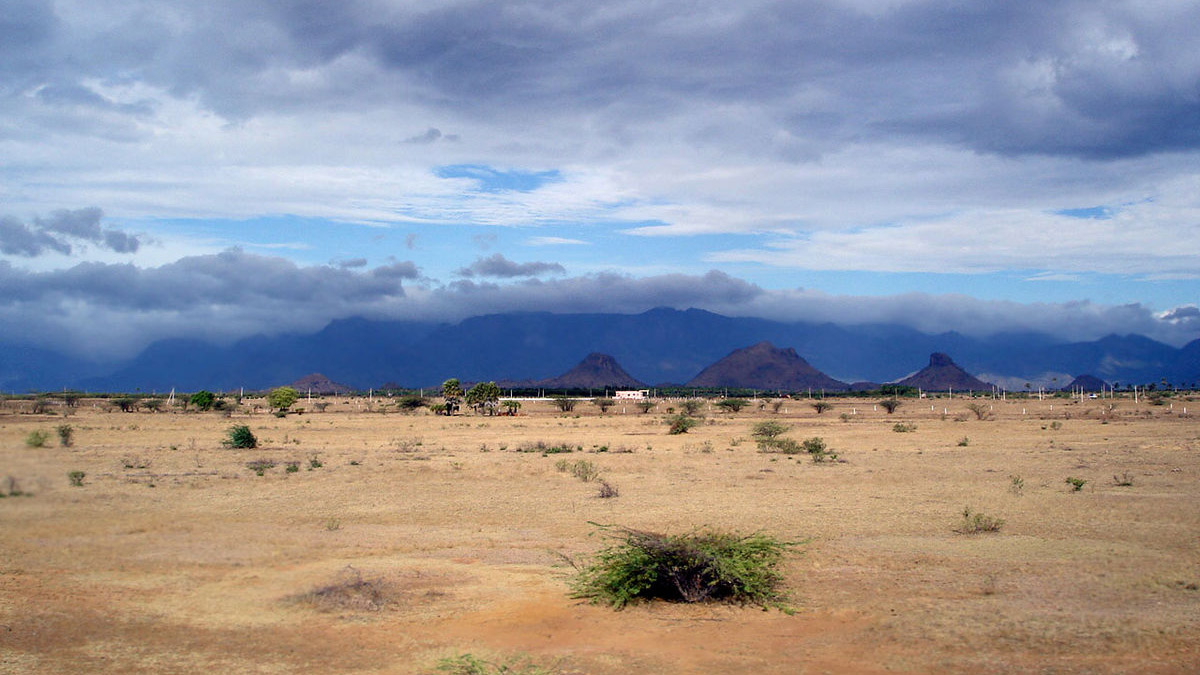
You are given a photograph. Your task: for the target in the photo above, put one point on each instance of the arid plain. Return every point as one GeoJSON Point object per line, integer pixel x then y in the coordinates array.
{"type": "Point", "coordinates": [403, 540]}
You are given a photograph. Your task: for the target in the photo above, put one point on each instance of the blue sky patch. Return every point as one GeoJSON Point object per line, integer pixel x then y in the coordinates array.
{"type": "Point", "coordinates": [495, 180]}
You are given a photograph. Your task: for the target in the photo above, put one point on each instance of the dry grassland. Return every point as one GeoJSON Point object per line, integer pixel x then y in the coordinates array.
{"type": "Point", "coordinates": [420, 538]}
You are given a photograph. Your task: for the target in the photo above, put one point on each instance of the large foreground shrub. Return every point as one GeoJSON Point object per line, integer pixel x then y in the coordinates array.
{"type": "Point", "coordinates": [702, 566]}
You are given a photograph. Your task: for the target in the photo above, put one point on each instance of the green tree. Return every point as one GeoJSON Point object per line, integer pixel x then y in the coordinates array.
{"type": "Point", "coordinates": [512, 406]}
{"type": "Point", "coordinates": [282, 398]}
{"type": "Point", "coordinates": [484, 397]}
{"type": "Point", "coordinates": [603, 404]}
{"type": "Point", "coordinates": [452, 394]}
{"type": "Point", "coordinates": [890, 405]}
{"type": "Point", "coordinates": [645, 405]}
{"type": "Point", "coordinates": [733, 405]}
{"type": "Point", "coordinates": [821, 406]}
{"type": "Point", "coordinates": [203, 400]}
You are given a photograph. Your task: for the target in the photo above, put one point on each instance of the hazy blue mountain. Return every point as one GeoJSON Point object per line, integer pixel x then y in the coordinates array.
{"type": "Point", "coordinates": [657, 346]}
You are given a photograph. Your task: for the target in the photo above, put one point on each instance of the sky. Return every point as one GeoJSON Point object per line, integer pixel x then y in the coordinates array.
{"type": "Point", "coordinates": [216, 170]}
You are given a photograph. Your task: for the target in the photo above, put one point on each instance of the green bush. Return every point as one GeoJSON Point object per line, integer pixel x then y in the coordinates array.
{"type": "Point", "coordinates": [202, 400]}
{"type": "Point", "coordinates": [76, 478]}
{"type": "Point", "coordinates": [733, 405]}
{"type": "Point", "coordinates": [702, 566]}
{"type": "Point", "coordinates": [1075, 483]}
{"type": "Point", "coordinates": [240, 436]}
{"type": "Point", "coordinates": [974, 522]}
{"type": "Point", "coordinates": [679, 424]}
{"type": "Point", "coordinates": [767, 433]}
{"type": "Point", "coordinates": [37, 438]}
{"type": "Point", "coordinates": [65, 434]}
{"type": "Point", "coordinates": [903, 427]}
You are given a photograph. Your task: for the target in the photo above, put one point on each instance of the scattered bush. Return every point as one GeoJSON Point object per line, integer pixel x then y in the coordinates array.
{"type": "Point", "coordinates": [974, 522]}
{"type": "Point", "coordinates": [469, 664]}
{"type": "Point", "coordinates": [1124, 480]}
{"type": "Point", "coordinates": [126, 403]}
{"type": "Point", "coordinates": [964, 442]}
{"type": "Point", "coordinates": [822, 406]}
{"type": "Point", "coordinates": [350, 592]}
{"type": "Point", "coordinates": [37, 438]}
{"type": "Point", "coordinates": [76, 478]}
{"type": "Point", "coordinates": [203, 400]}
{"type": "Point", "coordinates": [890, 405]}
{"type": "Point", "coordinates": [680, 424]}
{"type": "Point", "coordinates": [982, 410]}
{"type": "Point", "coordinates": [292, 467]}
{"type": "Point", "coordinates": [817, 449]}
{"type": "Point", "coordinates": [733, 405]}
{"type": "Point", "coordinates": [701, 566]}
{"type": "Point", "coordinates": [1016, 485]}
{"type": "Point", "coordinates": [260, 466]}
{"type": "Point", "coordinates": [607, 490]}
{"type": "Point", "coordinates": [1075, 483]}
{"type": "Point", "coordinates": [691, 406]}
{"type": "Point", "coordinates": [603, 404]}
{"type": "Point", "coordinates": [581, 469]}
{"type": "Point", "coordinates": [65, 433]}
{"type": "Point", "coordinates": [314, 463]}
{"type": "Point", "coordinates": [767, 433]}
{"type": "Point", "coordinates": [902, 427]}
{"type": "Point", "coordinates": [240, 436]}
{"type": "Point", "coordinates": [545, 449]}
{"type": "Point", "coordinates": [645, 405]}
{"type": "Point", "coordinates": [564, 404]}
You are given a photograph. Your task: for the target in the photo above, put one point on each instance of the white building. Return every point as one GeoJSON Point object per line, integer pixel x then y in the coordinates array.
{"type": "Point", "coordinates": [632, 395]}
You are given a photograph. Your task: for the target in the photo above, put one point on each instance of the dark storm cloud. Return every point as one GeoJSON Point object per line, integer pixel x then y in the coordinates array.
{"type": "Point", "coordinates": [500, 267]}
{"type": "Point", "coordinates": [56, 233]}
{"type": "Point", "coordinates": [1064, 77]}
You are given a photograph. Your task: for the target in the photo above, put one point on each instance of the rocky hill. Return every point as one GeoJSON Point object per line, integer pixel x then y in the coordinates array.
{"type": "Point", "coordinates": [763, 366]}
{"type": "Point", "coordinates": [942, 374]}
{"type": "Point", "coordinates": [317, 383]}
{"type": "Point", "coordinates": [596, 371]}
{"type": "Point", "coordinates": [1086, 383]}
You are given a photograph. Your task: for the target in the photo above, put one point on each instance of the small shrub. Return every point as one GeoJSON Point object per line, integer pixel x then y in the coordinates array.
{"type": "Point", "coordinates": [964, 442]}
{"type": "Point", "coordinates": [1055, 425]}
{"type": "Point", "coordinates": [350, 592]}
{"type": "Point", "coordinates": [469, 664]}
{"type": "Point", "coordinates": [776, 405]}
{"type": "Point", "coordinates": [581, 469]}
{"type": "Point", "coordinates": [890, 405]}
{"type": "Point", "coordinates": [564, 404]}
{"type": "Point", "coordinates": [314, 463]}
{"type": "Point", "coordinates": [76, 478]}
{"type": "Point", "coordinates": [767, 433]}
{"type": "Point", "coordinates": [260, 466]}
{"type": "Point", "coordinates": [37, 438]}
{"type": "Point", "coordinates": [691, 406]}
{"type": "Point", "coordinates": [65, 433]}
{"type": "Point", "coordinates": [607, 490]}
{"type": "Point", "coordinates": [817, 449]}
{"type": "Point", "coordinates": [982, 410]}
{"type": "Point", "coordinates": [680, 424]}
{"type": "Point", "coordinates": [603, 404]}
{"type": "Point", "coordinates": [292, 467]}
{"type": "Point", "coordinates": [974, 522]}
{"type": "Point", "coordinates": [645, 405]}
{"type": "Point", "coordinates": [1124, 480]}
{"type": "Point", "coordinates": [822, 406]}
{"type": "Point", "coordinates": [1075, 483]}
{"type": "Point", "coordinates": [701, 566]}
{"type": "Point", "coordinates": [240, 436]}
{"type": "Point", "coordinates": [1016, 485]}
{"type": "Point", "coordinates": [902, 427]}
{"type": "Point", "coordinates": [545, 449]}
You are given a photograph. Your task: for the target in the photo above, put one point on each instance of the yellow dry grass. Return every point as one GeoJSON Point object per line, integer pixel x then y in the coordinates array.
{"type": "Point", "coordinates": [421, 537]}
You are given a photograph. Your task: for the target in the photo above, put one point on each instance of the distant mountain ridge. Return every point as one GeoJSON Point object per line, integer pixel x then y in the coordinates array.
{"type": "Point", "coordinates": [656, 346]}
{"type": "Point", "coordinates": [596, 371]}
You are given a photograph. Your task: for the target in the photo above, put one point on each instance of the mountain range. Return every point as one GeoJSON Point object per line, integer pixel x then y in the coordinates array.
{"type": "Point", "coordinates": [658, 346]}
